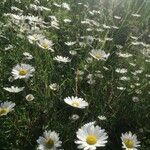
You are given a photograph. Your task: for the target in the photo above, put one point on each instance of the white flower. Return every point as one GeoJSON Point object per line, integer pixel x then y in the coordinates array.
{"type": "Point", "coordinates": [54, 86]}
{"type": "Point", "coordinates": [124, 55]}
{"type": "Point", "coordinates": [45, 44]}
{"type": "Point", "coordinates": [117, 17]}
{"type": "Point", "coordinates": [129, 141]}
{"type": "Point", "coordinates": [6, 107]}
{"type": "Point", "coordinates": [66, 6]}
{"type": "Point", "coordinates": [121, 70]}
{"type": "Point", "coordinates": [13, 89]}
{"type": "Point", "coordinates": [135, 99]}
{"type": "Point", "coordinates": [90, 137]}
{"type": "Point", "coordinates": [136, 15]}
{"type": "Point", "coordinates": [22, 71]}
{"type": "Point", "coordinates": [76, 102]}
{"type": "Point", "coordinates": [62, 59]}
{"type": "Point", "coordinates": [70, 43]}
{"type": "Point", "coordinates": [29, 97]}
{"type": "Point", "coordinates": [67, 20]}
{"type": "Point", "coordinates": [34, 37]}
{"type": "Point", "coordinates": [27, 55]}
{"type": "Point", "coordinates": [102, 118]}
{"type": "Point", "coordinates": [49, 141]}
{"type": "Point", "coordinates": [99, 54]}
{"type": "Point", "coordinates": [74, 117]}
{"type": "Point", "coordinates": [121, 88]}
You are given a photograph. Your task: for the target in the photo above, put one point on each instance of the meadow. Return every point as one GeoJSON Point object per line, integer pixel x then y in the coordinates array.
{"type": "Point", "coordinates": [74, 74]}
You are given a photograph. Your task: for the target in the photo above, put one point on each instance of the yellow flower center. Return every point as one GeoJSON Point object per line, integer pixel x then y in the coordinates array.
{"type": "Point", "coordinates": [45, 45]}
{"type": "Point", "coordinates": [49, 143]}
{"type": "Point", "coordinates": [76, 104]}
{"type": "Point", "coordinates": [91, 139]}
{"type": "Point", "coordinates": [129, 143]}
{"type": "Point", "coordinates": [23, 72]}
{"type": "Point", "coordinates": [3, 111]}
{"type": "Point", "coordinates": [98, 56]}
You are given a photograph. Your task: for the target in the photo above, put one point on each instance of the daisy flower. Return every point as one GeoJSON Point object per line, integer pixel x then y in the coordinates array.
{"type": "Point", "coordinates": [45, 44]}
{"type": "Point", "coordinates": [90, 137]}
{"type": "Point", "coordinates": [13, 89]}
{"type": "Point", "coordinates": [49, 141]}
{"type": "Point", "coordinates": [129, 141]}
{"type": "Point", "coordinates": [76, 102]}
{"type": "Point", "coordinates": [99, 54]}
{"type": "Point", "coordinates": [29, 97]}
{"type": "Point", "coordinates": [34, 37]}
{"type": "Point", "coordinates": [22, 71]}
{"type": "Point", "coordinates": [6, 107]}
{"type": "Point", "coordinates": [62, 59]}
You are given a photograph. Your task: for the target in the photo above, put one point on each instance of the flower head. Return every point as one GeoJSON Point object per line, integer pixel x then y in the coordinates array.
{"type": "Point", "coordinates": [129, 141]}
{"type": "Point", "coordinates": [90, 137]}
{"type": "Point", "coordinates": [13, 89]}
{"type": "Point", "coordinates": [22, 71]}
{"type": "Point", "coordinates": [62, 59]}
{"type": "Point", "coordinates": [45, 44]}
{"type": "Point", "coordinates": [99, 54]}
{"type": "Point", "coordinates": [49, 141]}
{"type": "Point", "coordinates": [6, 107]}
{"type": "Point", "coordinates": [76, 102]}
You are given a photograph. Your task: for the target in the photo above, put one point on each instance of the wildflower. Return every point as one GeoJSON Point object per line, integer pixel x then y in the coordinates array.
{"type": "Point", "coordinates": [90, 137]}
{"type": "Point", "coordinates": [27, 55]}
{"type": "Point", "coordinates": [54, 86]}
{"type": "Point", "coordinates": [76, 102]}
{"type": "Point", "coordinates": [136, 15]}
{"type": "Point", "coordinates": [70, 43]}
{"type": "Point", "coordinates": [74, 117]}
{"type": "Point", "coordinates": [102, 118]}
{"type": "Point", "coordinates": [22, 71]}
{"type": "Point", "coordinates": [13, 89]}
{"type": "Point", "coordinates": [99, 54]}
{"type": "Point", "coordinates": [29, 97]}
{"type": "Point", "coordinates": [62, 59]}
{"type": "Point", "coordinates": [6, 107]}
{"type": "Point", "coordinates": [34, 38]}
{"type": "Point", "coordinates": [45, 44]}
{"type": "Point", "coordinates": [66, 6]}
{"type": "Point", "coordinates": [67, 20]}
{"type": "Point", "coordinates": [117, 17]}
{"type": "Point", "coordinates": [135, 99]}
{"type": "Point", "coordinates": [129, 141]}
{"type": "Point", "coordinates": [121, 70]}
{"type": "Point", "coordinates": [49, 141]}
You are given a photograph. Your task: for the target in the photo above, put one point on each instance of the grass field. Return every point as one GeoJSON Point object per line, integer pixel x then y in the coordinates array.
{"type": "Point", "coordinates": [74, 67]}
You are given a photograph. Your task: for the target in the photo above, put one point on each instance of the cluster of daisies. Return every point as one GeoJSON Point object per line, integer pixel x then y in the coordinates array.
{"type": "Point", "coordinates": [89, 136]}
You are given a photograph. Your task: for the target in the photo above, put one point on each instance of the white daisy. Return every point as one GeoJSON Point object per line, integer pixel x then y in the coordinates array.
{"type": "Point", "coordinates": [102, 118]}
{"type": "Point", "coordinates": [54, 86]}
{"type": "Point", "coordinates": [34, 37]}
{"type": "Point", "coordinates": [22, 71]}
{"type": "Point", "coordinates": [6, 107]}
{"type": "Point", "coordinates": [70, 43]}
{"type": "Point", "coordinates": [76, 102]}
{"type": "Point", "coordinates": [13, 89]}
{"type": "Point", "coordinates": [129, 141]}
{"type": "Point", "coordinates": [99, 54]}
{"type": "Point", "coordinates": [62, 59]}
{"type": "Point", "coordinates": [27, 55]}
{"type": "Point", "coordinates": [45, 44]}
{"type": "Point", "coordinates": [29, 97]}
{"type": "Point", "coordinates": [90, 137]}
{"type": "Point", "coordinates": [49, 141]}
